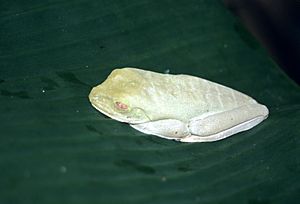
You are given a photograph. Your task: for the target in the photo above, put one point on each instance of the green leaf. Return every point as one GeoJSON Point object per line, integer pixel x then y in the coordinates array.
{"type": "Point", "coordinates": [56, 148]}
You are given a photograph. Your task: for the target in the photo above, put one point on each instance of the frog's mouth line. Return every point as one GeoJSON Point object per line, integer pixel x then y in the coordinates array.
{"type": "Point", "coordinates": [107, 114]}
{"type": "Point", "coordinates": [107, 110]}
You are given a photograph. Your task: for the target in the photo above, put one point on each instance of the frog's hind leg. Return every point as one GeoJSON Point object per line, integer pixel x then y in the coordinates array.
{"type": "Point", "coordinates": [224, 124]}
{"type": "Point", "coordinates": [168, 128]}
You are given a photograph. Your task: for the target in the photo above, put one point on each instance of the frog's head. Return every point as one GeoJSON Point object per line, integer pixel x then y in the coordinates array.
{"type": "Point", "coordinates": [118, 96]}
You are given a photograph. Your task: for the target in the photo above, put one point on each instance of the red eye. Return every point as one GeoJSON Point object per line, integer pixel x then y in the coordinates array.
{"type": "Point", "coordinates": [121, 105]}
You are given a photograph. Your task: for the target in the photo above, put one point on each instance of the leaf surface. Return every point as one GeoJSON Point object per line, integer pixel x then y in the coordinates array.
{"type": "Point", "coordinates": [56, 148]}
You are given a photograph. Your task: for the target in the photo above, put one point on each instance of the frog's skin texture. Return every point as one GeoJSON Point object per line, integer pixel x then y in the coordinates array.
{"type": "Point", "coordinates": [178, 107]}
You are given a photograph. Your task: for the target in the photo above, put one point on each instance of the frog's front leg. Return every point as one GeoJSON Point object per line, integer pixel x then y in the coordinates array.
{"type": "Point", "coordinates": [167, 128]}
{"type": "Point", "coordinates": [224, 124]}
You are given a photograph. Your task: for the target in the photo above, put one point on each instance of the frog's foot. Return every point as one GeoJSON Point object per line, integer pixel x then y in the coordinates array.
{"type": "Point", "coordinates": [224, 124]}
{"type": "Point", "coordinates": [168, 128]}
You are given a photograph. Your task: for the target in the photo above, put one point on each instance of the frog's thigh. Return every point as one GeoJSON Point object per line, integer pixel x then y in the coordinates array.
{"type": "Point", "coordinates": [225, 124]}
{"type": "Point", "coordinates": [169, 128]}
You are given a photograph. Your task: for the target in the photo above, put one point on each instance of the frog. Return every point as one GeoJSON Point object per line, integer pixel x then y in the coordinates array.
{"type": "Point", "coordinates": [179, 107]}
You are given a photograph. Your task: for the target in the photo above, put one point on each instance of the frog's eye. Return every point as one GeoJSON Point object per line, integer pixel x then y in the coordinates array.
{"type": "Point", "coordinates": [121, 106]}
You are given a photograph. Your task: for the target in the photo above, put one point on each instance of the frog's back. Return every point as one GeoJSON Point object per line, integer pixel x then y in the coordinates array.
{"type": "Point", "coordinates": [183, 96]}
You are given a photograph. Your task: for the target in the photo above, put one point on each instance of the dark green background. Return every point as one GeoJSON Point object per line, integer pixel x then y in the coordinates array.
{"type": "Point", "coordinates": [55, 148]}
